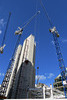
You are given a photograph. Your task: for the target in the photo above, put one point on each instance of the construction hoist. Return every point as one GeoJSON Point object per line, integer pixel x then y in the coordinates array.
{"type": "Point", "coordinates": [58, 52]}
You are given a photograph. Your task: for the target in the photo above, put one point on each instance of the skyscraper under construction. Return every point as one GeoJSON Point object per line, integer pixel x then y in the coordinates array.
{"type": "Point", "coordinates": [21, 74]}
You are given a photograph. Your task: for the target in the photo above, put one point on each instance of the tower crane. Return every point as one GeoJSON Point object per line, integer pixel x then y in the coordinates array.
{"type": "Point", "coordinates": [58, 52]}
{"type": "Point", "coordinates": [11, 63]}
{"type": "Point", "coordinates": [19, 32]}
{"type": "Point", "coordinates": [3, 45]}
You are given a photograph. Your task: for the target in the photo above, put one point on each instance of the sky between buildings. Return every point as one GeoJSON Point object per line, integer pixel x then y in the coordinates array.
{"type": "Point", "coordinates": [21, 11]}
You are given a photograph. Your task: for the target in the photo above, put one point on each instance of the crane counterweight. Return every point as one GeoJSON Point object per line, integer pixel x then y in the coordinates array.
{"type": "Point", "coordinates": [18, 31]}
{"type": "Point", "coordinates": [53, 30]}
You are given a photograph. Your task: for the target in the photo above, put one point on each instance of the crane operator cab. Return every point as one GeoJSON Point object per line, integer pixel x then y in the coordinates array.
{"type": "Point", "coordinates": [53, 30]}
{"type": "Point", "coordinates": [1, 48]}
{"type": "Point", "coordinates": [19, 31]}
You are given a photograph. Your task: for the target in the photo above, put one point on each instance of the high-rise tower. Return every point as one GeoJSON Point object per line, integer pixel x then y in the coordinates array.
{"type": "Point", "coordinates": [22, 76]}
{"type": "Point", "coordinates": [25, 77]}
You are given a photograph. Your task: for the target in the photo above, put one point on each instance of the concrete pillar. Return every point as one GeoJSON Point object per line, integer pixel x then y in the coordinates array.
{"type": "Point", "coordinates": [51, 91]}
{"type": "Point", "coordinates": [44, 92]}
{"type": "Point", "coordinates": [27, 94]}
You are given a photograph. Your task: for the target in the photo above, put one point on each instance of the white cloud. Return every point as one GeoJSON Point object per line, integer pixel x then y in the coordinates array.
{"type": "Point", "coordinates": [52, 42]}
{"type": "Point", "coordinates": [50, 75]}
{"type": "Point", "coordinates": [64, 40]}
{"type": "Point", "coordinates": [2, 22]}
{"type": "Point", "coordinates": [46, 76]}
{"type": "Point", "coordinates": [0, 31]}
{"type": "Point", "coordinates": [40, 77]}
{"type": "Point", "coordinates": [2, 74]}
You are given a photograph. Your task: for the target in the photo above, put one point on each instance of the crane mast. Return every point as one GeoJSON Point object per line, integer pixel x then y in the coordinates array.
{"type": "Point", "coordinates": [58, 51]}
{"type": "Point", "coordinates": [60, 58]}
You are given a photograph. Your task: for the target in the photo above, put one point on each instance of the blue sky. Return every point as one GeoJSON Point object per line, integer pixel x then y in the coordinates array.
{"type": "Point", "coordinates": [46, 57]}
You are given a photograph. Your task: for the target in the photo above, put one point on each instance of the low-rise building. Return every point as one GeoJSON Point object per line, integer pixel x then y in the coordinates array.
{"type": "Point", "coordinates": [58, 83]}
{"type": "Point", "coordinates": [42, 91]}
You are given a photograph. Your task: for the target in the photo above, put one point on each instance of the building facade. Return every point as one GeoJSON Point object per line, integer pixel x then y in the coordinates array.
{"type": "Point", "coordinates": [25, 77]}
{"type": "Point", "coordinates": [58, 83]}
{"type": "Point", "coordinates": [21, 75]}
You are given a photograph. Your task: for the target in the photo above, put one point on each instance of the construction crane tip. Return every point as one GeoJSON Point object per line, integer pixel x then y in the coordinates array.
{"type": "Point", "coordinates": [38, 12]}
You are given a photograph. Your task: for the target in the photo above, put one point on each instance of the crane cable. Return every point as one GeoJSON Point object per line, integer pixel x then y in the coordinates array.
{"type": "Point", "coordinates": [51, 24]}
{"type": "Point", "coordinates": [31, 19]}
{"type": "Point", "coordinates": [36, 34]}
{"type": "Point", "coordinates": [28, 20]}
{"type": "Point", "coordinates": [6, 29]}
{"type": "Point", "coordinates": [35, 23]}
